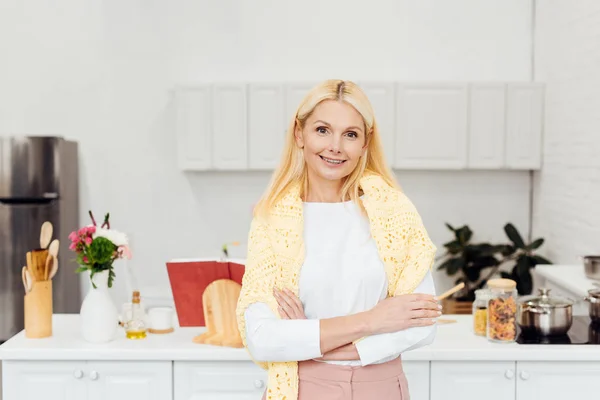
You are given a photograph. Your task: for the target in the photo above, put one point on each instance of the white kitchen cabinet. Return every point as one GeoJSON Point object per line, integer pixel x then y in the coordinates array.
{"type": "Point", "coordinates": [91, 380]}
{"type": "Point", "coordinates": [126, 380]}
{"type": "Point", "coordinates": [267, 125]}
{"type": "Point", "coordinates": [294, 93]}
{"type": "Point", "coordinates": [192, 128]}
{"type": "Point", "coordinates": [34, 380]}
{"type": "Point", "coordinates": [242, 126]}
{"type": "Point", "coordinates": [229, 127]}
{"type": "Point", "coordinates": [524, 126]}
{"type": "Point", "coordinates": [218, 380]}
{"type": "Point", "coordinates": [487, 125]}
{"type": "Point", "coordinates": [557, 381]}
{"type": "Point", "coordinates": [382, 96]}
{"type": "Point", "coordinates": [472, 380]}
{"type": "Point", "coordinates": [431, 129]}
{"type": "Point", "coordinates": [417, 374]}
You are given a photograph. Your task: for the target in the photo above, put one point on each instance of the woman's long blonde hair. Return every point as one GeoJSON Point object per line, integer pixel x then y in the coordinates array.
{"type": "Point", "coordinates": [292, 167]}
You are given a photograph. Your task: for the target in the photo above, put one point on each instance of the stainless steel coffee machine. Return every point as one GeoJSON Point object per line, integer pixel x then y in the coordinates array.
{"type": "Point", "coordinates": [38, 182]}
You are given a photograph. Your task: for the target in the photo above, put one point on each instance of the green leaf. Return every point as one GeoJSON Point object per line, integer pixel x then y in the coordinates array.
{"type": "Point", "coordinates": [455, 265]}
{"type": "Point", "coordinates": [464, 234]}
{"type": "Point", "coordinates": [541, 260]}
{"type": "Point", "coordinates": [453, 247]}
{"type": "Point", "coordinates": [92, 272]}
{"type": "Point", "coordinates": [522, 267]}
{"type": "Point", "coordinates": [505, 275]}
{"type": "Point", "coordinates": [473, 274]}
{"type": "Point", "coordinates": [514, 235]}
{"type": "Point", "coordinates": [535, 244]}
{"type": "Point", "coordinates": [450, 227]}
{"type": "Point", "coordinates": [482, 249]}
{"type": "Point", "coordinates": [81, 269]}
{"type": "Point", "coordinates": [111, 277]}
{"type": "Point", "coordinates": [525, 283]}
{"type": "Point", "coordinates": [507, 250]}
{"type": "Point", "coordinates": [485, 262]}
{"type": "Point", "coordinates": [445, 264]}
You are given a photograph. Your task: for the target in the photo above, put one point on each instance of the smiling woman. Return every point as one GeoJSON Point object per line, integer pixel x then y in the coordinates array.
{"type": "Point", "coordinates": [337, 282]}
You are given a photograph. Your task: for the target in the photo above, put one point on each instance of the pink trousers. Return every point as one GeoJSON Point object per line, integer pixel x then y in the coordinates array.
{"type": "Point", "coordinates": [323, 381]}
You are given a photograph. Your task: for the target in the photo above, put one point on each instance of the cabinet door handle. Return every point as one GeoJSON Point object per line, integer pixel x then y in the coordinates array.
{"type": "Point", "coordinates": [93, 375]}
{"type": "Point", "coordinates": [78, 374]}
{"type": "Point", "coordinates": [509, 374]}
{"type": "Point", "coordinates": [258, 383]}
{"type": "Point", "coordinates": [524, 375]}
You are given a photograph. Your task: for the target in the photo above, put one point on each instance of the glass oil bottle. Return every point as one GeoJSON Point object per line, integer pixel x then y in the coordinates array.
{"type": "Point", "coordinates": [135, 328]}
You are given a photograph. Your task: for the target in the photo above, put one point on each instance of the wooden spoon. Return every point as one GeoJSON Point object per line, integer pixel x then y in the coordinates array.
{"type": "Point", "coordinates": [27, 279]}
{"type": "Point", "coordinates": [24, 277]}
{"type": "Point", "coordinates": [54, 269]}
{"type": "Point", "coordinates": [451, 291]}
{"type": "Point", "coordinates": [53, 249]}
{"type": "Point", "coordinates": [30, 264]}
{"type": "Point", "coordinates": [48, 266]}
{"type": "Point", "coordinates": [46, 234]}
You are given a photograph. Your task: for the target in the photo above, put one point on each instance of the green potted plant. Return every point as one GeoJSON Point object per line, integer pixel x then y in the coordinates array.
{"type": "Point", "coordinates": [524, 258]}
{"type": "Point", "coordinates": [475, 263]}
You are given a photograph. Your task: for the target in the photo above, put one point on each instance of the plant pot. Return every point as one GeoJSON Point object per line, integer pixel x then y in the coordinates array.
{"type": "Point", "coordinates": [453, 306]}
{"type": "Point", "coordinates": [99, 316]}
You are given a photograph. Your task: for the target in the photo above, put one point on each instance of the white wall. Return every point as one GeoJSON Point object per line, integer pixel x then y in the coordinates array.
{"type": "Point", "coordinates": [101, 72]}
{"type": "Point", "coordinates": [567, 190]}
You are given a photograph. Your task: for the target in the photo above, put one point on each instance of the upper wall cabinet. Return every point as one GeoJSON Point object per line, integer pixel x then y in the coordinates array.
{"type": "Point", "coordinates": [524, 126]}
{"type": "Point", "coordinates": [266, 125]}
{"type": "Point", "coordinates": [193, 128]}
{"type": "Point", "coordinates": [229, 127]}
{"type": "Point", "coordinates": [382, 96]}
{"type": "Point", "coordinates": [431, 132]}
{"type": "Point", "coordinates": [487, 125]}
{"type": "Point", "coordinates": [243, 126]}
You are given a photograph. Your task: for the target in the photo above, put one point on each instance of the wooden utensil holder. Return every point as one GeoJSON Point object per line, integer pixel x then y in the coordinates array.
{"type": "Point", "coordinates": [38, 310]}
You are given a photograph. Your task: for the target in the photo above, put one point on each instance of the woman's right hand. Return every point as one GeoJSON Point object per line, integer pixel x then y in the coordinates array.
{"type": "Point", "coordinates": [402, 312]}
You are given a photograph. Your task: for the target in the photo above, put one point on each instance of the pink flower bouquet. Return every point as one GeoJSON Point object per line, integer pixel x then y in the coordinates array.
{"type": "Point", "coordinates": [98, 247]}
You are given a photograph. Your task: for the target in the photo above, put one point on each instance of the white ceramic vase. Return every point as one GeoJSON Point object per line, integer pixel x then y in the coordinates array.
{"type": "Point", "coordinates": [99, 316]}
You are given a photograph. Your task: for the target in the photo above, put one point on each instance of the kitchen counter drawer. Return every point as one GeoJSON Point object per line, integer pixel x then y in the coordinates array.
{"type": "Point", "coordinates": [218, 380]}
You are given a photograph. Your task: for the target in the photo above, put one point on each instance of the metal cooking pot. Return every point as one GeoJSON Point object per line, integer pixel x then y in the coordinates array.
{"type": "Point", "coordinates": [593, 298]}
{"type": "Point", "coordinates": [545, 315]}
{"type": "Point", "coordinates": [592, 266]}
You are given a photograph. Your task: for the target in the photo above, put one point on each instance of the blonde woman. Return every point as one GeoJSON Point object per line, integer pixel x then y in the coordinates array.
{"type": "Point", "coordinates": [338, 282]}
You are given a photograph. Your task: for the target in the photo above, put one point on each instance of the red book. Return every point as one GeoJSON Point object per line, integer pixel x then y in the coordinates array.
{"type": "Point", "coordinates": [190, 277]}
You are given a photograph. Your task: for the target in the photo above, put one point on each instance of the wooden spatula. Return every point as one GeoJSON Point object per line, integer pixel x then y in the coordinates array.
{"type": "Point", "coordinates": [53, 248]}
{"type": "Point", "coordinates": [451, 291]}
{"type": "Point", "coordinates": [26, 282]}
{"type": "Point", "coordinates": [54, 268]}
{"type": "Point", "coordinates": [46, 234]}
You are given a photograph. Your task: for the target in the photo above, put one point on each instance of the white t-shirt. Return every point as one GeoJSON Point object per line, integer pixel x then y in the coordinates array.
{"type": "Point", "coordinates": [342, 275]}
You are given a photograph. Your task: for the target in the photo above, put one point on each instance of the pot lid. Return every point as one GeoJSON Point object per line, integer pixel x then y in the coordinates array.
{"type": "Point", "coordinates": [594, 293]}
{"type": "Point", "coordinates": [545, 300]}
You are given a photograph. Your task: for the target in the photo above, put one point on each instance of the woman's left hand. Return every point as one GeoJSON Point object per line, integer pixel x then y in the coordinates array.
{"type": "Point", "coordinates": [290, 306]}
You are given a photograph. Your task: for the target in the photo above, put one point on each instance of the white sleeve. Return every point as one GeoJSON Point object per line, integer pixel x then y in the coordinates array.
{"type": "Point", "coordinates": [272, 339]}
{"type": "Point", "coordinates": [377, 347]}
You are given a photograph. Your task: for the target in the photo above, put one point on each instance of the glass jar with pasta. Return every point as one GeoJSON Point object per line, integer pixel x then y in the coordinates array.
{"type": "Point", "coordinates": [502, 311]}
{"type": "Point", "coordinates": [480, 305]}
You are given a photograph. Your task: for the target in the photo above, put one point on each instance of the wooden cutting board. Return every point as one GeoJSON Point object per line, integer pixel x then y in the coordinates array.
{"type": "Point", "coordinates": [219, 302]}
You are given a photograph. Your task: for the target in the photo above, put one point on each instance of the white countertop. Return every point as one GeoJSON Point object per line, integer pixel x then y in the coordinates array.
{"type": "Point", "coordinates": [570, 277]}
{"type": "Point", "coordinates": [454, 342]}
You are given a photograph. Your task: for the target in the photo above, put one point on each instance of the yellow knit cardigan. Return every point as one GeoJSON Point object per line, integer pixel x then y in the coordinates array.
{"type": "Point", "coordinates": [276, 254]}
